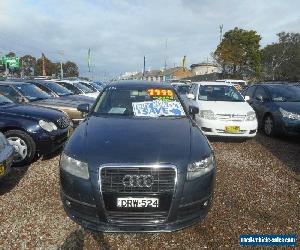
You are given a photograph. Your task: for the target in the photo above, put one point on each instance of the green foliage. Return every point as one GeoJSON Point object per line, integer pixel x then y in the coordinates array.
{"type": "Point", "coordinates": [281, 60]}
{"type": "Point", "coordinates": [28, 64]}
{"type": "Point", "coordinates": [239, 53]}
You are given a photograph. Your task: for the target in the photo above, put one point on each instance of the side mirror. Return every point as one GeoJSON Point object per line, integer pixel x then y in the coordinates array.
{"type": "Point", "coordinates": [247, 98]}
{"type": "Point", "coordinates": [190, 96]}
{"type": "Point", "coordinates": [193, 111]}
{"type": "Point", "coordinates": [84, 108]}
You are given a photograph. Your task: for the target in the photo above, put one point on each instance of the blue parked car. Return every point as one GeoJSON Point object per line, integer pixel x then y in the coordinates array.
{"type": "Point", "coordinates": [277, 107]}
{"type": "Point", "coordinates": [138, 162]}
{"type": "Point", "coordinates": [32, 130]}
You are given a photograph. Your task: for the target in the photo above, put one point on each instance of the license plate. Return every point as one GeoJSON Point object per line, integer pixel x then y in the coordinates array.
{"type": "Point", "coordinates": [130, 202]}
{"type": "Point", "coordinates": [2, 169]}
{"type": "Point", "coordinates": [232, 129]}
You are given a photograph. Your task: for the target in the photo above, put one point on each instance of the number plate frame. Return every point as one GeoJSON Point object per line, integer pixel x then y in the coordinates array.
{"type": "Point", "coordinates": [137, 202]}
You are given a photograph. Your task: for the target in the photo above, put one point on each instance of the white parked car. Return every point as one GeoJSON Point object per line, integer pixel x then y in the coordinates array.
{"type": "Point", "coordinates": [78, 88]}
{"type": "Point", "coordinates": [223, 111]}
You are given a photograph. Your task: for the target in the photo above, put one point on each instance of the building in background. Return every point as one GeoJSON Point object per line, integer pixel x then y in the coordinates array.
{"type": "Point", "coordinates": [205, 68]}
{"type": "Point", "coordinates": [162, 75]}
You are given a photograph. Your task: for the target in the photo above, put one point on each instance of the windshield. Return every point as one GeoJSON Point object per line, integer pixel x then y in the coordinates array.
{"type": "Point", "coordinates": [4, 100]}
{"type": "Point", "coordinates": [84, 88]}
{"type": "Point", "coordinates": [140, 102]}
{"type": "Point", "coordinates": [285, 93]}
{"type": "Point", "coordinates": [93, 85]}
{"type": "Point", "coordinates": [60, 90]}
{"type": "Point", "coordinates": [182, 89]}
{"type": "Point", "coordinates": [32, 92]}
{"type": "Point", "coordinates": [224, 93]}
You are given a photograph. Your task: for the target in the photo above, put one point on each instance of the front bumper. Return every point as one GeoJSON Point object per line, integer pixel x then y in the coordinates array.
{"type": "Point", "coordinates": [217, 128]}
{"type": "Point", "coordinates": [291, 127]}
{"type": "Point", "coordinates": [84, 203]}
{"type": "Point", "coordinates": [6, 159]}
{"type": "Point", "coordinates": [49, 142]}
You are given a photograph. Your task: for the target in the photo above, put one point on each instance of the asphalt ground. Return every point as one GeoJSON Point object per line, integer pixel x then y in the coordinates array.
{"type": "Point", "coordinates": [257, 192]}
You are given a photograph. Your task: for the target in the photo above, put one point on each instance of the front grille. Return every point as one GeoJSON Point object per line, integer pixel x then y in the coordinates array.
{"type": "Point", "coordinates": [231, 117]}
{"type": "Point", "coordinates": [112, 187]}
{"type": "Point", "coordinates": [137, 218]}
{"type": "Point", "coordinates": [163, 179]}
{"type": "Point", "coordinates": [63, 122]}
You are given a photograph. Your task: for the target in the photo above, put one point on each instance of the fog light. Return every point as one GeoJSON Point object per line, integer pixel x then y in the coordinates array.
{"type": "Point", "coordinates": [205, 204]}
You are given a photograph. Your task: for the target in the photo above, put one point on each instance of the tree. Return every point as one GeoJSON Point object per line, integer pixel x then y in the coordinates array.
{"type": "Point", "coordinates": [281, 60]}
{"type": "Point", "coordinates": [70, 69]}
{"type": "Point", "coordinates": [11, 54]}
{"type": "Point", "coordinates": [239, 53]}
{"type": "Point", "coordinates": [28, 63]}
{"type": "Point", "coordinates": [50, 67]}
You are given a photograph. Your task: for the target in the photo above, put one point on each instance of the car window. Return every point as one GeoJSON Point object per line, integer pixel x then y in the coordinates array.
{"type": "Point", "coordinates": [260, 93]}
{"type": "Point", "coordinates": [95, 87]}
{"type": "Point", "coordinates": [225, 93]}
{"type": "Point", "coordinates": [58, 89]}
{"type": "Point", "coordinates": [32, 92]}
{"type": "Point", "coordinates": [249, 91]}
{"type": "Point", "coordinates": [182, 89]}
{"type": "Point", "coordinates": [4, 100]}
{"type": "Point", "coordinates": [140, 102]}
{"type": "Point", "coordinates": [48, 91]}
{"type": "Point", "coordinates": [194, 89]}
{"type": "Point", "coordinates": [70, 87]}
{"type": "Point", "coordinates": [84, 88]}
{"type": "Point", "coordinates": [285, 93]}
{"type": "Point", "coordinates": [10, 93]}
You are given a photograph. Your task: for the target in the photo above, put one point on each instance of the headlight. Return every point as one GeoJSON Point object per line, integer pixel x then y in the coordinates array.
{"type": "Point", "coordinates": [251, 116]}
{"type": "Point", "coordinates": [289, 115]}
{"type": "Point", "coordinates": [48, 126]}
{"type": "Point", "coordinates": [207, 114]}
{"type": "Point", "coordinates": [199, 168]}
{"type": "Point", "coordinates": [74, 167]}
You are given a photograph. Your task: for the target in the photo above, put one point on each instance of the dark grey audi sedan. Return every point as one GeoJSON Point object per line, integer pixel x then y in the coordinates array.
{"type": "Point", "coordinates": [137, 163]}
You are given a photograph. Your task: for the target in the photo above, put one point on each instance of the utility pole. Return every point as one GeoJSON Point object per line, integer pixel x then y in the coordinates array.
{"type": "Point", "coordinates": [166, 50]}
{"type": "Point", "coordinates": [61, 53]}
{"type": "Point", "coordinates": [221, 32]}
{"type": "Point", "coordinates": [144, 69]}
{"type": "Point", "coordinates": [43, 64]}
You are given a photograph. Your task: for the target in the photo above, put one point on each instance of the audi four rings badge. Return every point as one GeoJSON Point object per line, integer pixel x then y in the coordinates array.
{"type": "Point", "coordinates": [137, 181]}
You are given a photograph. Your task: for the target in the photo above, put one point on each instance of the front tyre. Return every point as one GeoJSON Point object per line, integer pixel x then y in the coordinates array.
{"type": "Point", "coordinates": [24, 146]}
{"type": "Point", "coordinates": [268, 125]}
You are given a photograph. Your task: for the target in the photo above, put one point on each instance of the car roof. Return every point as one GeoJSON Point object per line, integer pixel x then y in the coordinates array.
{"type": "Point", "coordinates": [13, 83]}
{"type": "Point", "coordinates": [139, 84]}
{"type": "Point", "coordinates": [276, 84]}
{"type": "Point", "coordinates": [214, 83]}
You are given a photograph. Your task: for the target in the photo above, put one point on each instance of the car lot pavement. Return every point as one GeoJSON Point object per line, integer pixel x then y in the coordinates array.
{"type": "Point", "coordinates": [257, 192]}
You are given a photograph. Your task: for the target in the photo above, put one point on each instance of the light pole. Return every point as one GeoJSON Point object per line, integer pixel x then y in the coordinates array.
{"type": "Point", "coordinates": [61, 53]}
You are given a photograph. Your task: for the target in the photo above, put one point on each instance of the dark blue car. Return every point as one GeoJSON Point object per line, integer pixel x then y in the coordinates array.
{"type": "Point", "coordinates": [32, 130]}
{"type": "Point", "coordinates": [277, 107]}
{"type": "Point", "coordinates": [137, 163]}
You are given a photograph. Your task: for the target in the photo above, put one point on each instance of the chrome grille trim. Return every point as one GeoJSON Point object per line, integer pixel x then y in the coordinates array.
{"type": "Point", "coordinates": [231, 117]}
{"type": "Point", "coordinates": [108, 214]}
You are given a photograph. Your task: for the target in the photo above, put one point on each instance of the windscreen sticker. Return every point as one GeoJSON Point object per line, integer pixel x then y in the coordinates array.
{"type": "Point", "coordinates": [157, 108]}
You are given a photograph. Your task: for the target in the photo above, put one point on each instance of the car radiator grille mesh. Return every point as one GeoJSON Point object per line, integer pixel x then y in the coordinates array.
{"type": "Point", "coordinates": [163, 179]}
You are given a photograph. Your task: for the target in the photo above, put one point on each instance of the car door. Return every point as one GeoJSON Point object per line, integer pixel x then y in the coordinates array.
{"type": "Point", "coordinates": [260, 102]}
{"type": "Point", "coordinates": [10, 93]}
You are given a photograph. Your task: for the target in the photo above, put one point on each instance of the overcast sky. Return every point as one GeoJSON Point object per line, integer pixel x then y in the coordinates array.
{"type": "Point", "coordinates": [121, 32]}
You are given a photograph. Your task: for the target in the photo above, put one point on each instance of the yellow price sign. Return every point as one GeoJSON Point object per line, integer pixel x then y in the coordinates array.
{"type": "Point", "coordinates": [160, 92]}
